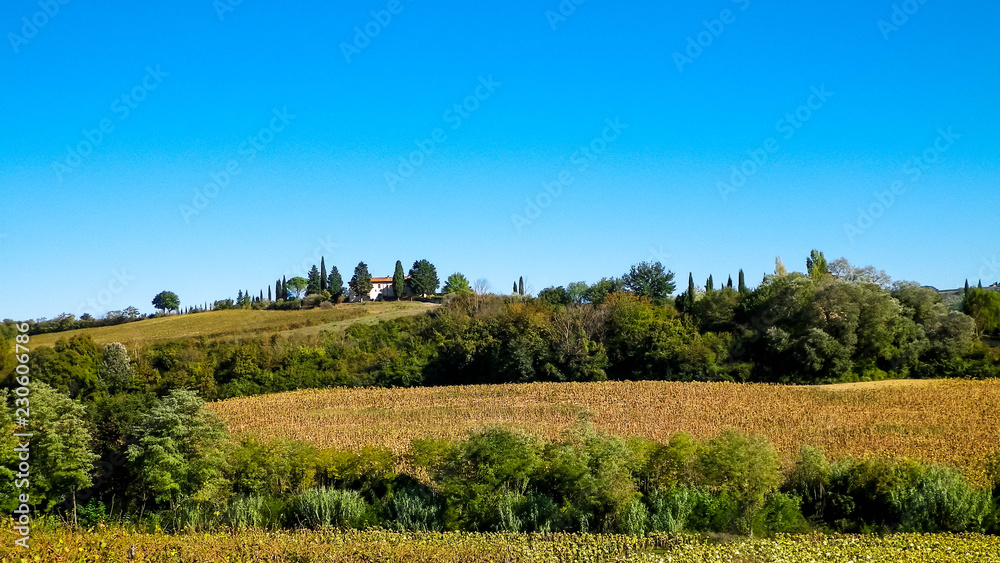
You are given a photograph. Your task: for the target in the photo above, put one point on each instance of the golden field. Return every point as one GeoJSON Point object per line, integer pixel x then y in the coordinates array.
{"type": "Point", "coordinates": [953, 422]}
{"type": "Point", "coordinates": [352, 546]}
{"type": "Point", "coordinates": [238, 323]}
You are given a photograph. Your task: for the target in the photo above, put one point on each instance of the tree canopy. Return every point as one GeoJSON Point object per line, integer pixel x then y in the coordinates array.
{"type": "Point", "coordinates": [167, 301]}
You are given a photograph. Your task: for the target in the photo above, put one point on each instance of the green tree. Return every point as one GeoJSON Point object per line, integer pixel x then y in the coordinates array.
{"type": "Point", "coordinates": [742, 283]}
{"type": "Point", "coordinates": [520, 285]}
{"type": "Point", "coordinates": [322, 273]}
{"type": "Point", "coordinates": [361, 283]}
{"type": "Point", "coordinates": [816, 265]}
{"type": "Point", "coordinates": [178, 451]}
{"type": "Point", "coordinates": [116, 368]}
{"type": "Point", "coordinates": [297, 284]}
{"type": "Point", "coordinates": [398, 280]}
{"type": "Point", "coordinates": [650, 280]}
{"type": "Point", "coordinates": [554, 296]}
{"type": "Point", "coordinates": [598, 292]}
{"type": "Point", "coordinates": [689, 297]}
{"type": "Point", "coordinates": [284, 288]}
{"type": "Point", "coordinates": [514, 292]}
{"type": "Point", "coordinates": [423, 278]}
{"type": "Point", "coordinates": [312, 281]}
{"type": "Point", "coordinates": [61, 457]}
{"type": "Point", "coordinates": [577, 291]}
{"type": "Point", "coordinates": [269, 293]}
{"type": "Point", "coordinates": [166, 301]}
{"type": "Point", "coordinates": [709, 284]}
{"type": "Point", "coordinates": [749, 467]}
{"type": "Point", "coordinates": [456, 283]}
{"type": "Point", "coordinates": [335, 283]}
{"type": "Point", "coordinates": [729, 284]}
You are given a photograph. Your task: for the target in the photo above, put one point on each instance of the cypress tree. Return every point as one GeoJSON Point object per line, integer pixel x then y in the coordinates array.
{"type": "Point", "coordinates": [709, 285]}
{"type": "Point", "coordinates": [515, 289]}
{"type": "Point", "coordinates": [239, 298]}
{"type": "Point", "coordinates": [398, 280]}
{"type": "Point", "coordinates": [284, 288]}
{"type": "Point", "coordinates": [322, 273]}
{"type": "Point", "coordinates": [729, 284]}
{"type": "Point", "coordinates": [742, 283]}
{"type": "Point", "coordinates": [980, 284]}
{"type": "Point", "coordinates": [689, 298]}
{"type": "Point", "coordinates": [261, 297]}
{"type": "Point", "coordinates": [268, 293]}
{"type": "Point", "coordinates": [520, 285]}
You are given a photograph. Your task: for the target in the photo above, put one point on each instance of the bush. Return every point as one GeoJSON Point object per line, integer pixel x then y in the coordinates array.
{"type": "Point", "coordinates": [413, 509]}
{"type": "Point", "coordinates": [255, 512]}
{"type": "Point", "coordinates": [324, 508]}
{"type": "Point", "coordinates": [670, 508]}
{"type": "Point", "coordinates": [941, 500]}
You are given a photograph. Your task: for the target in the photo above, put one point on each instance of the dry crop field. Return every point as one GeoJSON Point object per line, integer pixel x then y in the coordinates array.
{"type": "Point", "coordinates": [239, 323]}
{"type": "Point", "coordinates": [954, 422]}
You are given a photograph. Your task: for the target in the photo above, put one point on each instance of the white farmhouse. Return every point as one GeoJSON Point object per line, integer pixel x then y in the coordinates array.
{"type": "Point", "coordinates": [381, 289]}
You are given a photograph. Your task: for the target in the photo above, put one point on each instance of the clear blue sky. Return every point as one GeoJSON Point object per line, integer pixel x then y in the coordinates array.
{"type": "Point", "coordinates": [110, 226]}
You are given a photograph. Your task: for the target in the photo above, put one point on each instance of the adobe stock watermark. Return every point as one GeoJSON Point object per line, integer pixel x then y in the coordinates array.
{"type": "Point", "coordinates": [899, 17]}
{"type": "Point", "coordinates": [364, 34]}
{"type": "Point", "coordinates": [456, 117]}
{"type": "Point", "coordinates": [914, 168]}
{"type": "Point", "coordinates": [32, 25]}
{"type": "Point", "coordinates": [787, 126]}
{"type": "Point", "coordinates": [122, 107]}
{"type": "Point", "coordinates": [99, 302]}
{"type": "Point", "coordinates": [714, 28]}
{"type": "Point", "coordinates": [563, 11]}
{"type": "Point", "coordinates": [580, 161]}
{"type": "Point", "coordinates": [224, 7]}
{"type": "Point", "coordinates": [990, 269]}
{"type": "Point", "coordinates": [247, 151]}
{"type": "Point", "coordinates": [324, 247]}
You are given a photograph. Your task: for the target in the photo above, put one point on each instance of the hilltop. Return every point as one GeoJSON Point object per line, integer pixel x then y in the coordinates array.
{"type": "Point", "coordinates": [239, 323]}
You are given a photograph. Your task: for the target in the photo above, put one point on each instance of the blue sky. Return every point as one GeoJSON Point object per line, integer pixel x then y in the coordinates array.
{"type": "Point", "coordinates": [243, 141]}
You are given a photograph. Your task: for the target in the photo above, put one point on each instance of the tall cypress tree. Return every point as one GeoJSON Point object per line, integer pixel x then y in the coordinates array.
{"type": "Point", "coordinates": [709, 285]}
{"type": "Point", "coordinates": [742, 283]}
{"type": "Point", "coordinates": [261, 297]}
{"type": "Point", "coordinates": [398, 280]}
{"type": "Point", "coordinates": [284, 288]}
{"type": "Point", "coordinates": [322, 273]}
{"type": "Point", "coordinates": [515, 289]}
{"type": "Point", "coordinates": [520, 285]}
{"type": "Point", "coordinates": [269, 293]}
{"type": "Point", "coordinates": [691, 292]}
{"type": "Point", "coordinates": [729, 284]}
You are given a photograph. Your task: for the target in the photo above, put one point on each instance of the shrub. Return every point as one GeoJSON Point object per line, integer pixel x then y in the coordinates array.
{"type": "Point", "coordinates": [323, 508]}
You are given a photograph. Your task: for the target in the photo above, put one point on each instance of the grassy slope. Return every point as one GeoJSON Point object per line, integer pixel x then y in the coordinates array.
{"type": "Point", "coordinates": [944, 421]}
{"type": "Point", "coordinates": [239, 323]}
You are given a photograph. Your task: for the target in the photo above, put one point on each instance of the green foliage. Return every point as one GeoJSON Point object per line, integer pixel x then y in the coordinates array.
{"type": "Point", "coordinates": [361, 282]}
{"type": "Point", "coordinates": [335, 283]}
{"type": "Point", "coordinates": [297, 285]}
{"type": "Point", "coordinates": [423, 278]}
{"type": "Point", "coordinates": [399, 280]}
{"type": "Point", "coordinates": [456, 283]}
{"type": "Point", "coordinates": [177, 452]}
{"type": "Point", "coordinates": [313, 284]}
{"type": "Point", "coordinates": [599, 291]}
{"type": "Point", "coordinates": [554, 296]}
{"type": "Point", "coordinates": [748, 467]}
{"type": "Point", "coordinates": [166, 301]}
{"type": "Point", "coordinates": [984, 308]}
{"type": "Point", "coordinates": [116, 368]}
{"type": "Point", "coordinates": [650, 280]}
{"type": "Point", "coordinates": [61, 455]}
{"type": "Point", "coordinates": [323, 508]}
{"type": "Point", "coordinates": [816, 265]}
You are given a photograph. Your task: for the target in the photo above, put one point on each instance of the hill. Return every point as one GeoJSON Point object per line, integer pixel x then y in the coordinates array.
{"type": "Point", "coordinates": [943, 421]}
{"type": "Point", "coordinates": [235, 323]}
{"type": "Point", "coordinates": [952, 298]}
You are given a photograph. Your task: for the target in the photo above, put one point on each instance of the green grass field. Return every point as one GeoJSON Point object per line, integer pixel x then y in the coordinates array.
{"type": "Point", "coordinates": [239, 323]}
